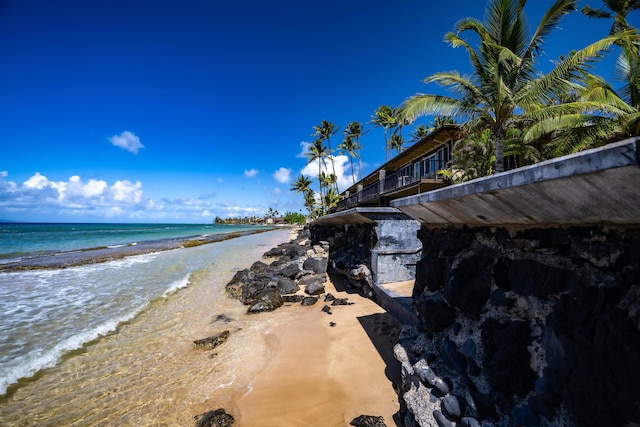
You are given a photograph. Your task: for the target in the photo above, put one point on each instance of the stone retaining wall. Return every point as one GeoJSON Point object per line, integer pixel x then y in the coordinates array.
{"type": "Point", "coordinates": [530, 327]}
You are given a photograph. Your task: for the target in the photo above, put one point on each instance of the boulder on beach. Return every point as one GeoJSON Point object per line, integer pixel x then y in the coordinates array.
{"type": "Point", "coordinates": [216, 418]}
{"type": "Point", "coordinates": [368, 421]}
{"type": "Point", "coordinates": [267, 300]}
{"type": "Point", "coordinates": [292, 298]}
{"type": "Point", "coordinates": [212, 342]}
{"type": "Point", "coordinates": [314, 284]}
{"type": "Point", "coordinates": [317, 265]}
{"type": "Point", "coordinates": [273, 252]}
{"type": "Point", "coordinates": [255, 285]}
{"type": "Point", "coordinates": [307, 301]}
{"type": "Point", "coordinates": [292, 271]}
{"type": "Point", "coordinates": [234, 287]}
{"type": "Point", "coordinates": [287, 286]}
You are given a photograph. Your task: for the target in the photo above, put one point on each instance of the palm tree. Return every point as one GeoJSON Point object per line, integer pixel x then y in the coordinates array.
{"type": "Point", "coordinates": [419, 132]}
{"type": "Point", "coordinates": [350, 147]}
{"type": "Point", "coordinates": [324, 132]}
{"type": "Point", "coordinates": [318, 151]}
{"type": "Point", "coordinates": [302, 184]}
{"type": "Point", "coordinates": [397, 141]}
{"type": "Point", "coordinates": [628, 65]}
{"type": "Point", "coordinates": [618, 10]}
{"type": "Point", "coordinates": [503, 64]}
{"type": "Point", "coordinates": [355, 130]}
{"type": "Point", "coordinates": [505, 88]}
{"type": "Point", "coordinates": [384, 117]}
{"type": "Point", "coordinates": [331, 199]}
{"type": "Point", "coordinates": [400, 121]}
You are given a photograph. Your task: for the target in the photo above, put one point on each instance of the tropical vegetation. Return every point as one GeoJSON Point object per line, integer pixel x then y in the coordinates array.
{"type": "Point", "coordinates": [507, 107]}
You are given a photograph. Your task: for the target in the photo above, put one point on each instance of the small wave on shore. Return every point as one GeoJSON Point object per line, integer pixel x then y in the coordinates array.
{"type": "Point", "coordinates": [27, 366]}
{"type": "Point", "coordinates": [138, 362]}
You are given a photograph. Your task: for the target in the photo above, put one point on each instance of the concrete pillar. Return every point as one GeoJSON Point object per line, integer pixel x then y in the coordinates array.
{"type": "Point", "coordinates": [382, 174]}
{"type": "Point", "coordinates": [397, 250]}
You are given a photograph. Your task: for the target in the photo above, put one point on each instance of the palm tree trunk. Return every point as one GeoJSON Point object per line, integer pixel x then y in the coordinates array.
{"type": "Point", "coordinates": [499, 152]}
{"type": "Point", "coordinates": [353, 175]}
{"type": "Point", "coordinates": [333, 166]}
{"type": "Point", "coordinates": [320, 183]}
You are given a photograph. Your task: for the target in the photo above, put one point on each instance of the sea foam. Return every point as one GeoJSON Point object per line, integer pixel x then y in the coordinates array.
{"type": "Point", "coordinates": [30, 364]}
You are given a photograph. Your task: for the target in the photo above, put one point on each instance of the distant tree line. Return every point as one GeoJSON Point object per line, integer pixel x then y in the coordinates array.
{"type": "Point", "coordinates": [288, 218]}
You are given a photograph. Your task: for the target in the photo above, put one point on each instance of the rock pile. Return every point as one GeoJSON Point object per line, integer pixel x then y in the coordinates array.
{"type": "Point", "coordinates": [297, 265]}
{"type": "Point", "coordinates": [350, 253]}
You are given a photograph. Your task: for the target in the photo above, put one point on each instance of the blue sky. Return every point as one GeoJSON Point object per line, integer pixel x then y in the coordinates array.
{"type": "Point", "coordinates": [180, 111]}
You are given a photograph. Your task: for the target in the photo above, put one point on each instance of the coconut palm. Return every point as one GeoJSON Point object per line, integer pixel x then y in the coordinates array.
{"type": "Point", "coordinates": [317, 151]}
{"type": "Point", "coordinates": [401, 121]}
{"type": "Point", "coordinates": [324, 132]}
{"type": "Point", "coordinates": [419, 132]}
{"type": "Point", "coordinates": [355, 130]}
{"type": "Point", "coordinates": [505, 87]}
{"type": "Point", "coordinates": [331, 199]}
{"type": "Point", "coordinates": [628, 65]}
{"type": "Point", "coordinates": [617, 9]}
{"type": "Point", "coordinates": [397, 141]}
{"type": "Point", "coordinates": [303, 185]}
{"type": "Point", "coordinates": [385, 118]}
{"type": "Point", "coordinates": [350, 147]}
{"type": "Point", "coordinates": [505, 91]}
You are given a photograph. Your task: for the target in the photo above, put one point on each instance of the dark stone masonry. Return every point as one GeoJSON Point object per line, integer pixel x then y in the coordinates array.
{"type": "Point", "coordinates": [537, 327]}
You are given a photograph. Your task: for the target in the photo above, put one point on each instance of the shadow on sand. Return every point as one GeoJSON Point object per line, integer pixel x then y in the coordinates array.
{"type": "Point", "coordinates": [382, 329]}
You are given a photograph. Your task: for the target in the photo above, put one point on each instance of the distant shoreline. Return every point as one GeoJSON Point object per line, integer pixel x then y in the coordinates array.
{"type": "Point", "coordinates": [74, 258]}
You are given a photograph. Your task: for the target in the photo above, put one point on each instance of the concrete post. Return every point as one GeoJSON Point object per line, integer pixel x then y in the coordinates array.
{"type": "Point", "coordinates": [381, 177]}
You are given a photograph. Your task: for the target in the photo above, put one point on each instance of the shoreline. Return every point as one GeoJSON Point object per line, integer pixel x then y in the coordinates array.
{"type": "Point", "coordinates": [150, 373]}
{"type": "Point", "coordinates": [101, 254]}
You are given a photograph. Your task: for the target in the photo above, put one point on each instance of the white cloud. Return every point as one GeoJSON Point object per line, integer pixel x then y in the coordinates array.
{"type": "Point", "coordinates": [250, 173]}
{"type": "Point", "coordinates": [282, 175]}
{"type": "Point", "coordinates": [304, 147]}
{"type": "Point", "coordinates": [39, 198]}
{"type": "Point", "coordinates": [341, 165]}
{"type": "Point", "coordinates": [127, 140]}
{"type": "Point", "coordinates": [37, 182]}
{"type": "Point", "coordinates": [125, 191]}
{"type": "Point", "coordinates": [41, 194]}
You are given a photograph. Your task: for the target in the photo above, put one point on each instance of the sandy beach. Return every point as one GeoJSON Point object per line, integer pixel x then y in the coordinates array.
{"type": "Point", "coordinates": [288, 367]}
{"type": "Point", "coordinates": [323, 375]}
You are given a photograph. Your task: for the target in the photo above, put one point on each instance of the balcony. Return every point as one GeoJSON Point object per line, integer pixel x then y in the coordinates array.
{"type": "Point", "coordinates": [397, 184]}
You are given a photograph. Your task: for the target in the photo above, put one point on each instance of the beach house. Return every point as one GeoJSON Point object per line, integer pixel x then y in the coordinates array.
{"type": "Point", "coordinates": [412, 171]}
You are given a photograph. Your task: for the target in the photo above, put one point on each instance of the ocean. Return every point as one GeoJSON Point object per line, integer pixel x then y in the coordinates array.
{"type": "Point", "coordinates": [119, 292]}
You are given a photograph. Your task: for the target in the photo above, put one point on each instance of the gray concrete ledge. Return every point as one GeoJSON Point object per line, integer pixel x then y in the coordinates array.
{"type": "Point", "coordinates": [393, 251]}
{"type": "Point", "coordinates": [355, 216]}
{"type": "Point", "coordinates": [594, 187]}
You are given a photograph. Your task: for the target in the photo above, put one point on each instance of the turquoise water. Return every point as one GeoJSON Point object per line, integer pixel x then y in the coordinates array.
{"type": "Point", "coordinates": [18, 240]}
{"type": "Point", "coordinates": [47, 312]}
